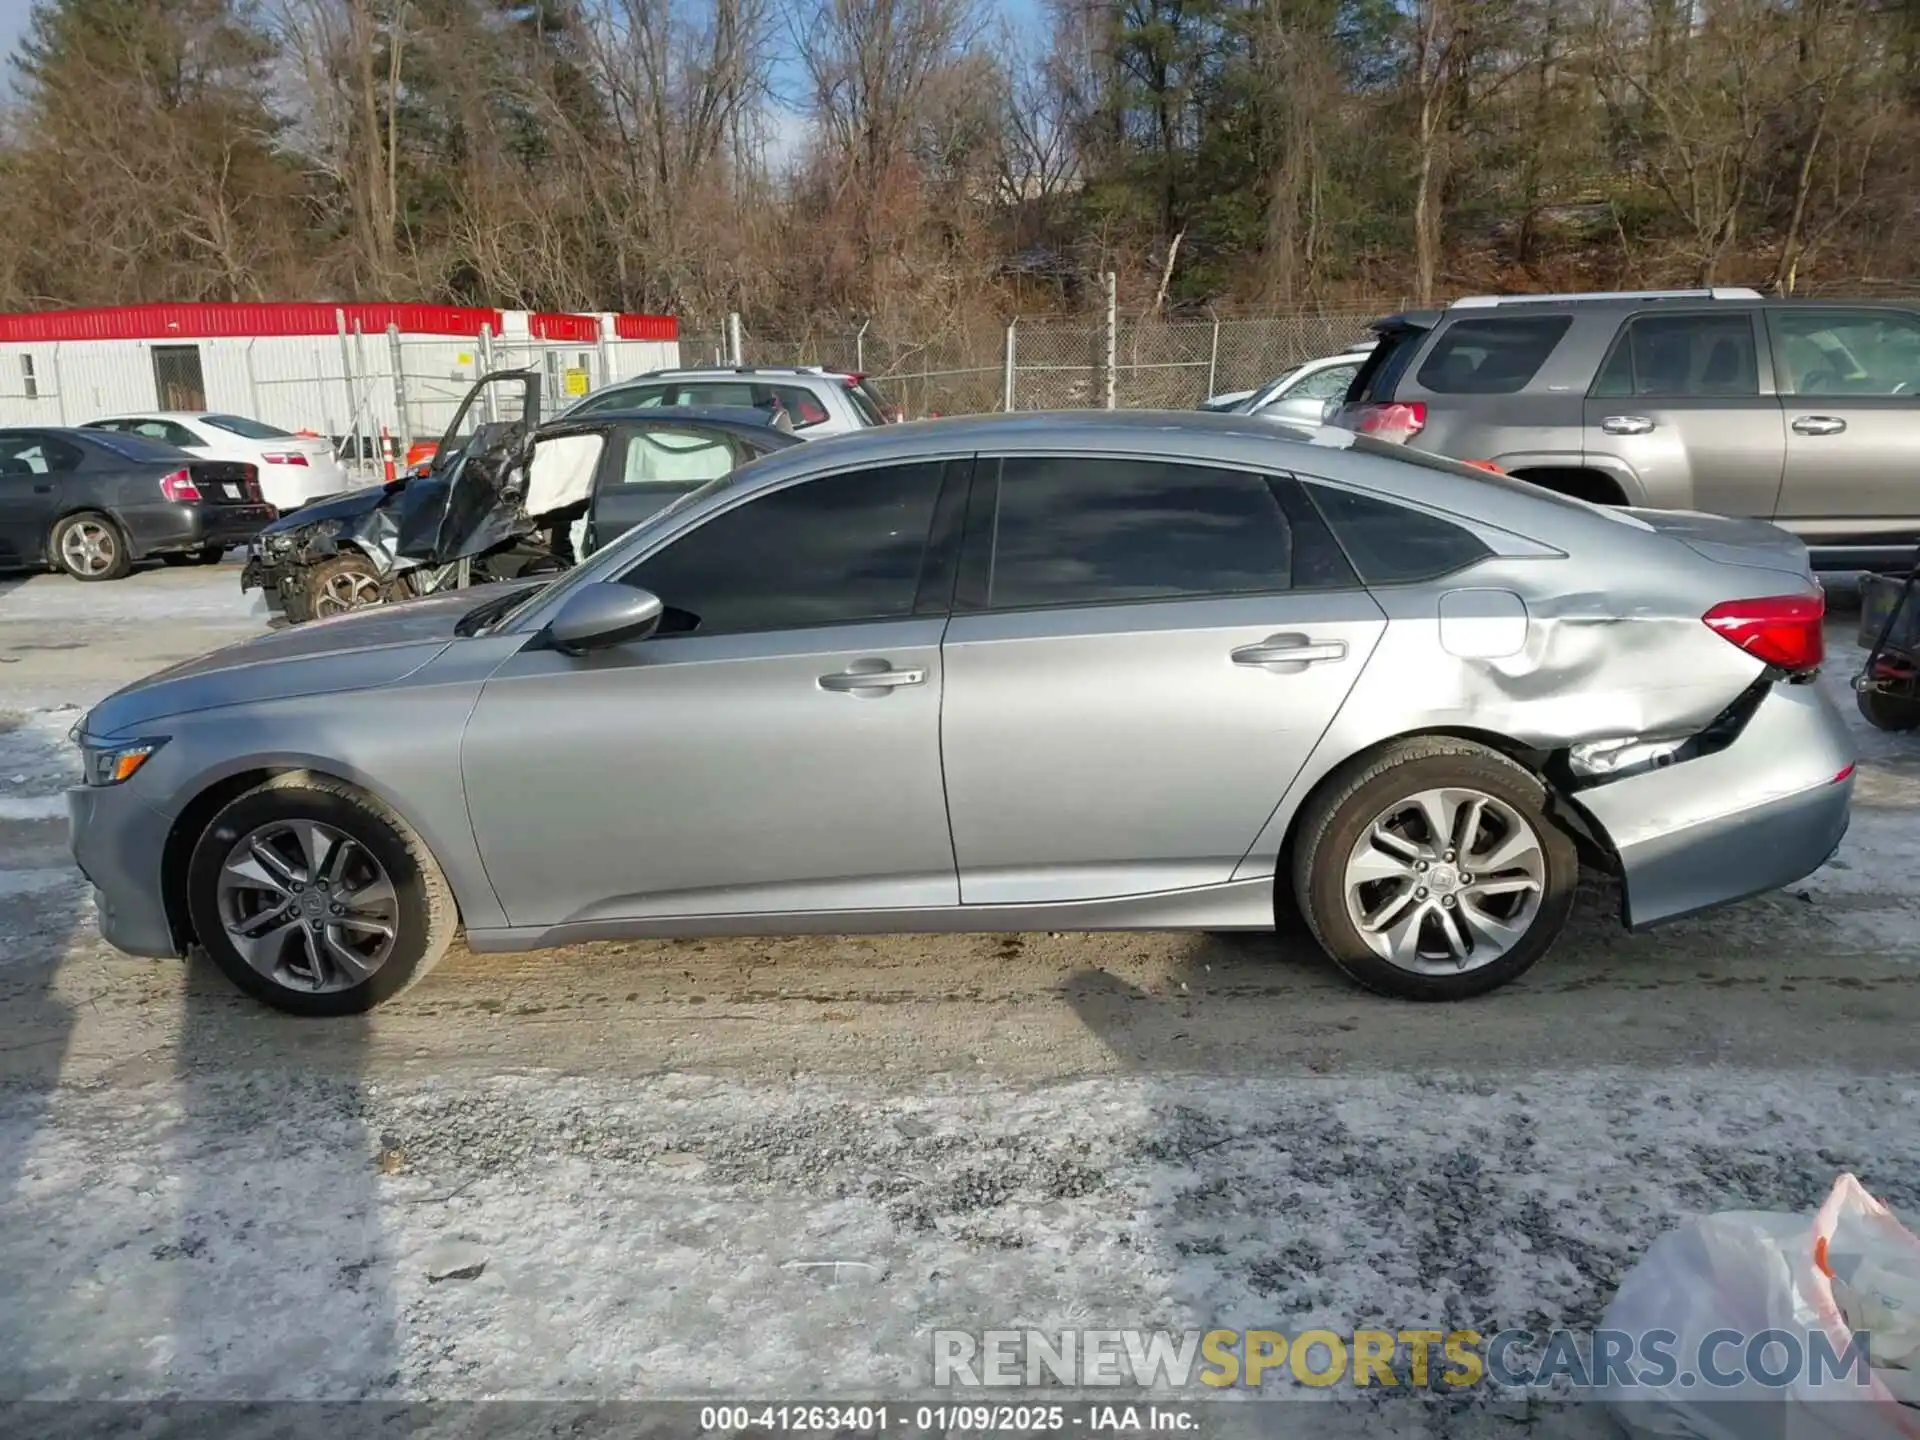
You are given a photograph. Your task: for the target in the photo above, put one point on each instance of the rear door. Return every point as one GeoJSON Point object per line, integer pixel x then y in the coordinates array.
{"type": "Point", "coordinates": [32, 467]}
{"type": "Point", "coordinates": [1684, 400]}
{"type": "Point", "coordinates": [1850, 392]}
{"type": "Point", "coordinates": [1142, 656]}
{"type": "Point", "coordinates": [644, 467]}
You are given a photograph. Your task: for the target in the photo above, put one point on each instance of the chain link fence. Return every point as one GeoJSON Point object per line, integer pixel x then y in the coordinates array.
{"type": "Point", "coordinates": [1058, 364]}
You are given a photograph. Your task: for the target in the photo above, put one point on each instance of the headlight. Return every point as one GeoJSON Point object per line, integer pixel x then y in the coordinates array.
{"type": "Point", "coordinates": [116, 761]}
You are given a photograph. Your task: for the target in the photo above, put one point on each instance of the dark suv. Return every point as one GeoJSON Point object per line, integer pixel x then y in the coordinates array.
{"type": "Point", "coordinates": [1805, 413]}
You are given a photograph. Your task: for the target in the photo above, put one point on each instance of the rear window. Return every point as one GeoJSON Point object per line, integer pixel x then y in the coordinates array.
{"type": "Point", "coordinates": [1392, 545]}
{"type": "Point", "coordinates": [1494, 356]}
{"type": "Point", "coordinates": [246, 429]}
{"type": "Point", "coordinates": [871, 404]}
{"type": "Point", "coordinates": [1381, 370]}
{"type": "Point", "coordinates": [135, 447]}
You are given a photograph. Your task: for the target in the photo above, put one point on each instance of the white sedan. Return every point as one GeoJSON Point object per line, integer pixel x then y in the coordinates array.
{"type": "Point", "coordinates": [294, 469]}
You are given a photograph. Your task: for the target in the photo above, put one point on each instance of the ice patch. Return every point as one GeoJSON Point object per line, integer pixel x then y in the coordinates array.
{"type": "Point", "coordinates": [34, 882]}
{"type": "Point", "coordinates": [32, 807]}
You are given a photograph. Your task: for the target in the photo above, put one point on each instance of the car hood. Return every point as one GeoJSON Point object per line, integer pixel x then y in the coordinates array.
{"type": "Point", "coordinates": [356, 651]}
{"type": "Point", "coordinates": [349, 506]}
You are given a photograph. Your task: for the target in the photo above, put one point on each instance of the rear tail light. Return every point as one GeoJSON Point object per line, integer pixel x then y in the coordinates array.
{"type": "Point", "coordinates": [1399, 420]}
{"type": "Point", "coordinates": [179, 486]}
{"type": "Point", "coordinates": [1787, 631]}
{"type": "Point", "coordinates": [290, 457]}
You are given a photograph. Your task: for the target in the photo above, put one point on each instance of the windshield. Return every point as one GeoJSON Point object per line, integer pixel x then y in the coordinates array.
{"type": "Point", "coordinates": [246, 429]}
{"type": "Point", "coordinates": [1267, 391]}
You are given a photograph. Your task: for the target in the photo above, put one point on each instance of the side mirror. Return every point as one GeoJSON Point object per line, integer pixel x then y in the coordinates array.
{"type": "Point", "coordinates": [602, 614]}
{"type": "Point", "coordinates": [1331, 409]}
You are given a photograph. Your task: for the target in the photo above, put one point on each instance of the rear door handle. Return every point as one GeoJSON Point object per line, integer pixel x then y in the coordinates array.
{"type": "Point", "coordinates": [43, 489]}
{"type": "Point", "coordinates": [1627, 425]}
{"type": "Point", "coordinates": [1291, 650]}
{"type": "Point", "coordinates": [876, 676]}
{"type": "Point", "coordinates": [1819, 425]}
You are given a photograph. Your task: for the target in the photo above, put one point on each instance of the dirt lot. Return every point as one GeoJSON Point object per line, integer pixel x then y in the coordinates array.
{"type": "Point", "coordinates": [653, 1144]}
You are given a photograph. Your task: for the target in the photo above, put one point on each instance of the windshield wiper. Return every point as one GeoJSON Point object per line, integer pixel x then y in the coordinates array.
{"type": "Point", "coordinates": [494, 609]}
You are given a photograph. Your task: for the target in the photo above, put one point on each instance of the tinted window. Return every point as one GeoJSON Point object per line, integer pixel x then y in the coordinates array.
{"type": "Point", "coordinates": [1839, 352]}
{"type": "Point", "coordinates": [674, 457]}
{"type": "Point", "coordinates": [1074, 531]}
{"type": "Point", "coordinates": [246, 429]}
{"type": "Point", "coordinates": [826, 552]}
{"type": "Point", "coordinates": [872, 405]}
{"type": "Point", "coordinates": [1494, 356]}
{"type": "Point", "coordinates": [803, 407]}
{"type": "Point", "coordinates": [1681, 356]}
{"type": "Point", "coordinates": [1380, 372]}
{"type": "Point", "coordinates": [36, 455]}
{"type": "Point", "coordinates": [1391, 545]}
{"type": "Point", "coordinates": [715, 392]}
{"type": "Point", "coordinates": [638, 397]}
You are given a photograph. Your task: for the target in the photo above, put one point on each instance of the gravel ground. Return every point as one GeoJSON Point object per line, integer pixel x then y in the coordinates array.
{"type": "Point", "coordinates": [652, 1149]}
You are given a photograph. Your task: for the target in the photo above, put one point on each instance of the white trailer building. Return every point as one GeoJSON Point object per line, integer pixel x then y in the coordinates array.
{"type": "Point", "coordinates": [337, 370]}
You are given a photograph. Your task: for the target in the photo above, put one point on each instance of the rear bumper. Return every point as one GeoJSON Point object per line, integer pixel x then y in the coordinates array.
{"type": "Point", "coordinates": [170, 528]}
{"type": "Point", "coordinates": [1762, 813]}
{"type": "Point", "coordinates": [117, 841]}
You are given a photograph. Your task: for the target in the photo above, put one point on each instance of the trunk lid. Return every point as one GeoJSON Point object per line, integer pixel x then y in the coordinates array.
{"type": "Point", "coordinates": [1730, 541]}
{"type": "Point", "coordinates": [225, 482]}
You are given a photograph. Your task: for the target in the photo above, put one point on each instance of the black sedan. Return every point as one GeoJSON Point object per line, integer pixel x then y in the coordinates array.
{"type": "Point", "coordinates": [91, 502]}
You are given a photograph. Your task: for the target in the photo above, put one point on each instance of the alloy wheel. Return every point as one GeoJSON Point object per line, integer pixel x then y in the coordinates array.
{"type": "Point", "coordinates": [308, 906]}
{"type": "Point", "coordinates": [344, 591]}
{"type": "Point", "coordinates": [89, 547]}
{"type": "Point", "coordinates": [1445, 881]}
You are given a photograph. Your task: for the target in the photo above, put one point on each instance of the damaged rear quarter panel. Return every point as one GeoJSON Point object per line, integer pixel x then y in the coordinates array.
{"type": "Point", "coordinates": [1604, 656]}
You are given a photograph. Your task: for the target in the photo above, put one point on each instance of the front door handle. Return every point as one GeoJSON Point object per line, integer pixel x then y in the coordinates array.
{"type": "Point", "coordinates": [1819, 425]}
{"type": "Point", "coordinates": [872, 677]}
{"type": "Point", "coordinates": [1290, 651]}
{"type": "Point", "coordinates": [43, 489]}
{"type": "Point", "coordinates": [1627, 425]}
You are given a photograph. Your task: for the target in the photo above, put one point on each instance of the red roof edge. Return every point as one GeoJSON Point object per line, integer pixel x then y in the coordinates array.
{"type": "Point", "coordinates": [554, 325]}
{"type": "Point", "coordinates": [646, 327]}
{"type": "Point", "coordinates": [211, 322]}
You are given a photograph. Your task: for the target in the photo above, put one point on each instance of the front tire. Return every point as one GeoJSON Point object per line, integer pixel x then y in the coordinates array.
{"type": "Point", "coordinates": [346, 582]}
{"type": "Point", "coordinates": [88, 546]}
{"type": "Point", "coordinates": [315, 900]}
{"type": "Point", "coordinates": [1433, 872]}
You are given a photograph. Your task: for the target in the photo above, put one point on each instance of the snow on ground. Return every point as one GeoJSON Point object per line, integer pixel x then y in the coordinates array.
{"type": "Point", "coordinates": [216, 1238]}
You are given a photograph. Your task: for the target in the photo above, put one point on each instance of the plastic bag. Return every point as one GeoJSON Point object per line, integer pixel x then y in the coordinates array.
{"type": "Point", "coordinates": [1754, 1271]}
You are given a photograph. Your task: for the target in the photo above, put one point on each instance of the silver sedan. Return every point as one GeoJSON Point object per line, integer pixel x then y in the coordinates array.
{"type": "Point", "coordinates": [1083, 671]}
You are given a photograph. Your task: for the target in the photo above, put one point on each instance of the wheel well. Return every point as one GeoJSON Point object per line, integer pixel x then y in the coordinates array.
{"type": "Point", "coordinates": [98, 514]}
{"type": "Point", "coordinates": [187, 829]}
{"type": "Point", "coordinates": [1535, 762]}
{"type": "Point", "coordinates": [1594, 485]}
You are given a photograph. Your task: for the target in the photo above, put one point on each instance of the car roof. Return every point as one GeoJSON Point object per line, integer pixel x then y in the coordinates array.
{"type": "Point", "coordinates": [718, 372]}
{"type": "Point", "coordinates": [1200, 436]}
{"type": "Point", "coordinates": [724, 417]}
{"type": "Point", "coordinates": [159, 415]}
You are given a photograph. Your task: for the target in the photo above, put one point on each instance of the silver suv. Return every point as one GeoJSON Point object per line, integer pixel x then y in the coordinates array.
{"type": "Point", "coordinates": [1805, 413]}
{"type": "Point", "coordinates": [817, 402]}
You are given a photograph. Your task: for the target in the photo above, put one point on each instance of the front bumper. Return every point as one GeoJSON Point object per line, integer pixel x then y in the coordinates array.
{"type": "Point", "coordinates": [274, 582]}
{"type": "Point", "coordinates": [117, 840]}
{"type": "Point", "coordinates": [1767, 810]}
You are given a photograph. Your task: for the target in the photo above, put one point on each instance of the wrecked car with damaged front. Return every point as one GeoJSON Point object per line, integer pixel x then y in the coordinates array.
{"type": "Point", "coordinates": [506, 498]}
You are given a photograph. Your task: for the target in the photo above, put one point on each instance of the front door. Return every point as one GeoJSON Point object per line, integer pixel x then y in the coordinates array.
{"type": "Point", "coordinates": [1140, 662]}
{"type": "Point", "coordinates": [774, 748]}
{"type": "Point", "coordinates": [645, 468]}
{"type": "Point", "coordinates": [32, 470]}
{"type": "Point", "coordinates": [1680, 403]}
{"type": "Point", "coordinates": [1850, 383]}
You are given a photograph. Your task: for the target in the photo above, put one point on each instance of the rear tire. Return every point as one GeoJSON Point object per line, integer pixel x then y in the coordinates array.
{"type": "Point", "coordinates": [89, 546]}
{"type": "Point", "coordinates": [1386, 890]}
{"type": "Point", "coordinates": [1888, 712]}
{"type": "Point", "coordinates": [293, 919]}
